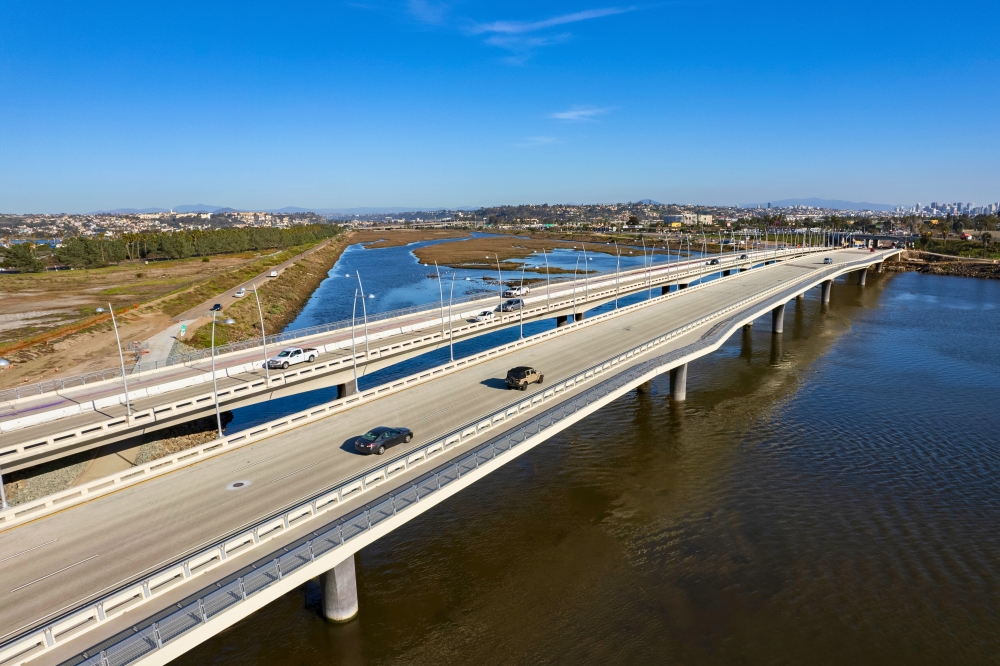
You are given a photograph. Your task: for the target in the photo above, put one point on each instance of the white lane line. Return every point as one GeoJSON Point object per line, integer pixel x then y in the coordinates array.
{"type": "Point", "coordinates": [295, 472]}
{"type": "Point", "coordinates": [10, 557]}
{"type": "Point", "coordinates": [258, 462]}
{"type": "Point", "coordinates": [54, 573]}
{"type": "Point", "coordinates": [423, 418]}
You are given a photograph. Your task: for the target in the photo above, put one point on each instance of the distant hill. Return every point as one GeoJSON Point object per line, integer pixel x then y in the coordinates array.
{"type": "Point", "coordinates": [198, 208]}
{"type": "Point", "coordinates": [129, 211]}
{"type": "Point", "coordinates": [649, 202]}
{"type": "Point", "coordinates": [836, 204]}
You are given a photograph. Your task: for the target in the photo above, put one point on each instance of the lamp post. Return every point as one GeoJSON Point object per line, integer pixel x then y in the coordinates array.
{"type": "Point", "coordinates": [548, 304]}
{"type": "Point", "coordinates": [441, 295]}
{"type": "Point", "coordinates": [586, 275]}
{"type": "Point", "coordinates": [263, 336]}
{"type": "Point", "coordinates": [451, 335]}
{"type": "Point", "coordinates": [121, 358]}
{"type": "Point", "coordinates": [520, 310]}
{"type": "Point", "coordinates": [364, 311]}
{"type": "Point", "coordinates": [500, 276]}
{"type": "Point", "coordinates": [575, 266]}
{"type": "Point", "coordinates": [649, 273]}
{"type": "Point", "coordinates": [354, 350]}
{"type": "Point", "coordinates": [617, 266]}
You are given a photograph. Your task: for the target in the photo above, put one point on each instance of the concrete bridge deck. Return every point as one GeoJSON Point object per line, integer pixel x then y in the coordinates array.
{"type": "Point", "coordinates": [67, 563]}
{"type": "Point", "coordinates": [53, 426]}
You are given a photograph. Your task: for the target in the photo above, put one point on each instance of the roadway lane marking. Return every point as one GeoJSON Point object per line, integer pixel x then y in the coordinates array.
{"type": "Point", "coordinates": [10, 557]}
{"type": "Point", "coordinates": [295, 472]}
{"type": "Point", "coordinates": [424, 418]}
{"type": "Point", "coordinates": [258, 462]}
{"type": "Point", "coordinates": [54, 573]}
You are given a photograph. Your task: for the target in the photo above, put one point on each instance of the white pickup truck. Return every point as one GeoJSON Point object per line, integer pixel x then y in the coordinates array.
{"type": "Point", "coordinates": [514, 292]}
{"type": "Point", "coordinates": [291, 356]}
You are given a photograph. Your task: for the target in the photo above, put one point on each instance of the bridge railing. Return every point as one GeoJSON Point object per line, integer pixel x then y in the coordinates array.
{"type": "Point", "coordinates": [200, 608]}
{"type": "Point", "coordinates": [165, 627]}
{"type": "Point", "coordinates": [7, 396]}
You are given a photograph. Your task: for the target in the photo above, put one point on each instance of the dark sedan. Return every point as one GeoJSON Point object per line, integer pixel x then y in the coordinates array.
{"type": "Point", "coordinates": [377, 440]}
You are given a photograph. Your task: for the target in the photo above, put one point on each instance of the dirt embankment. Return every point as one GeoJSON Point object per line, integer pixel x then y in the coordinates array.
{"type": "Point", "coordinates": [397, 237]}
{"type": "Point", "coordinates": [957, 268]}
{"type": "Point", "coordinates": [484, 253]}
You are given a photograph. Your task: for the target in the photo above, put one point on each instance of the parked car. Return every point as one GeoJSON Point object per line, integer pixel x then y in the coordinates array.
{"type": "Point", "coordinates": [511, 305]}
{"type": "Point", "coordinates": [714, 262]}
{"type": "Point", "coordinates": [377, 440]}
{"type": "Point", "coordinates": [828, 260]}
{"type": "Point", "coordinates": [514, 292]}
{"type": "Point", "coordinates": [292, 356]}
{"type": "Point", "coordinates": [217, 307]}
{"type": "Point", "coordinates": [486, 315]}
{"type": "Point", "coordinates": [273, 274]}
{"type": "Point", "coordinates": [240, 293]}
{"type": "Point", "coordinates": [521, 376]}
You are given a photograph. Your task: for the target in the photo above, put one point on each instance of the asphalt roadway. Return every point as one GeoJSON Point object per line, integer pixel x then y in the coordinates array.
{"type": "Point", "coordinates": [63, 559]}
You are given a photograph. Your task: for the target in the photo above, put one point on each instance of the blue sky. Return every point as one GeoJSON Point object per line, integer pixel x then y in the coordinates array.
{"type": "Point", "coordinates": [423, 103]}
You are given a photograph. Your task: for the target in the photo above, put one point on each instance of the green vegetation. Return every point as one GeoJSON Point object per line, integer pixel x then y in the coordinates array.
{"type": "Point", "coordinates": [80, 252]}
{"type": "Point", "coordinates": [23, 257]}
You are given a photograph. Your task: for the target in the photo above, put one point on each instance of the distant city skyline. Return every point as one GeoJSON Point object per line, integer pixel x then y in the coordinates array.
{"type": "Point", "coordinates": [421, 105]}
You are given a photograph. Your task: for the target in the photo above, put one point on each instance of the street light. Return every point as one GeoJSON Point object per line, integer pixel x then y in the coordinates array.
{"type": "Point", "coordinates": [441, 296]}
{"type": "Point", "coordinates": [548, 304]}
{"type": "Point", "coordinates": [263, 336]}
{"type": "Point", "coordinates": [121, 357]}
{"type": "Point", "coordinates": [617, 266]}
{"type": "Point", "coordinates": [499, 275]}
{"type": "Point", "coordinates": [364, 311]}
{"type": "Point", "coordinates": [451, 334]}
{"type": "Point", "coordinates": [215, 383]}
{"type": "Point", "coordinates": [4, 364]}
{"type": "Point", "coordinates": [520, 310]}
{"type": "Point", "coordinates": [354, 351]}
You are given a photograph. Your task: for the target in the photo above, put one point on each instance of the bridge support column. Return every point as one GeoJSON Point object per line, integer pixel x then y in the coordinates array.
{"type": "Point", "coordinates": [878, 267]}
{"type": "Point", "coordinates": [579, 316]}
{"type": "Point", "coordinates": [747, 327]}
{"type": "Point", "coordinates": [645, 387]}
{"type": "Point", "coordinates": [800, 297]}
{"type": "Point", "coordinates": [826, 286]}
{"type": "Point", "coordinates": [346, 389]}
{"type": "Point", "coordinates": [678, 383]}
{"type": "Point", "coordinates": [862, 274]}
{"type": "Point", "coordinates": [725, 273]}
{"type": "Point", "coordinates": [778, 319]}
{"type": "Point", "coordinates": [561, 320]}
{"type": "Point", "coordinates": [340, 592]}
{"type": "Point", "coordinates": [664, 290]}
{"type": "Point", "coordinates": [682, 286]}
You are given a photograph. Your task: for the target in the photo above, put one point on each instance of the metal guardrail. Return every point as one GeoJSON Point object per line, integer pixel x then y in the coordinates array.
{"type": "Point", "coordinates": [137, 643]}
{"type": "Point", "coordinates": [200, 608]}
{"type": "Point", "coordinates": [55, 385]}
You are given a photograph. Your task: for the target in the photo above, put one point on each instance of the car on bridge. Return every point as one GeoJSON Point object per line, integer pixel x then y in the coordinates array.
{"type": "Point", "coordinates": [377, 440]}
{"type": "Point", "coordinates": [743, 256]}
{"type": "Point", "coordinates": [486, 315]}
{"type": "Point", "coordinates": [828, 260]}
{"type": "Point", "coordinates": [521, 376]}
{"type": "Point", "coordinates": [511, 305]}
{"type": "Point", "coordinates": [292, 356]}
{"type": "Point", "coordinates": [714, 262]}
{"type": "Point", "coordinates": [514, 292]}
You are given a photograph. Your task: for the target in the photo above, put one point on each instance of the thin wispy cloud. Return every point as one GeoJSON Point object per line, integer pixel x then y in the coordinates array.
{"type": "Point", "coordinates": [427, 11]}
{"type": "Point", "coordinates": [521, 27]}
{"type": "Point", "coordinates": [579, 113]}
{"type": "Point", "coordinates": [532, 141]}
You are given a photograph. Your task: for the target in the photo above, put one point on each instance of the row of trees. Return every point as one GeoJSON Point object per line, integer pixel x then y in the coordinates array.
{"type": "Point", "coordinates": [80, 252]}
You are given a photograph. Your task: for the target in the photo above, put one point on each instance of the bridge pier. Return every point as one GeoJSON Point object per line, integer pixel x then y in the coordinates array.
{"type": "Point", "coordinates": [878, 267]}
{"type": "Point", "coordinates": [725, 273]}
{"type": "Point", "coordinates": [862, 274]}
{"type": "Point", "coordinates": [826, 286]}
{"type": "Point", "coordinates": [645, 387]}
{"type": "Point", "coordinates": [800, 297]}
{"type": "Point", "coordinates": [346, 389]}
{"type": "Point", "coordinates": [778, 319]}
{"type": "Point", "coordinates": [678, 383]}
{"type": "Point", "coordinates": [579, 316]}
{"type": "Point", "coordinates": [664, 290]}
{"type": "Point", "coordinates": [682, 286]}
{"type": "Point", "coordinates": [340, 592]}
{"type": "Point", "coordinates": [562, 320]}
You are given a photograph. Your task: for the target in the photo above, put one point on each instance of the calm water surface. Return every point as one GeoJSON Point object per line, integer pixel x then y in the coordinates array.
{"type": "Point", "coordinates": [833, 499]}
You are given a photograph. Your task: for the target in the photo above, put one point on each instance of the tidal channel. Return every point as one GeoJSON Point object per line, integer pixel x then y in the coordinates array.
{"type": "Point", "coordinates": [829, 496]}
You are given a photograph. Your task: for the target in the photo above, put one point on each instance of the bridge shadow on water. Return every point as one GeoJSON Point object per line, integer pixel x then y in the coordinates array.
{"type": "Point", "coordinates": [810, 502]}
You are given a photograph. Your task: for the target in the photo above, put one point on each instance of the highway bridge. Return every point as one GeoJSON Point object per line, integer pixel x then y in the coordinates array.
{"type": "Point", "coordinates": [149, 567]}
{"type": "Point", "coordinates": [43, 427]}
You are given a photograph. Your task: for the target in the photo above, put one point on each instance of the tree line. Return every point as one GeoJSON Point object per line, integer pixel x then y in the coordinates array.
{"type": "Point", "coordinates": [85, 252]}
